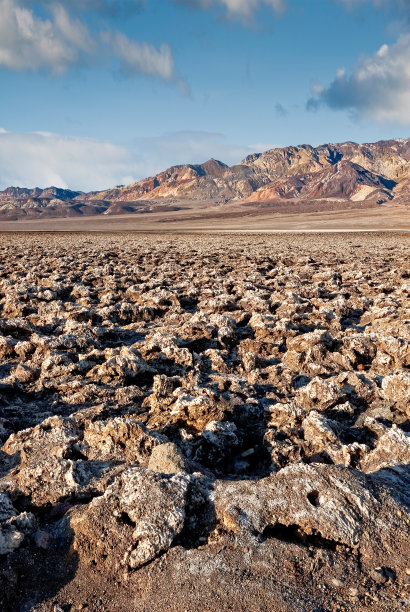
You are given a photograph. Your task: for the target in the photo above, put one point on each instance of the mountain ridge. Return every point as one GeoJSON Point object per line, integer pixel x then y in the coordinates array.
{"type": "Point", "coordinates": [371, 172]}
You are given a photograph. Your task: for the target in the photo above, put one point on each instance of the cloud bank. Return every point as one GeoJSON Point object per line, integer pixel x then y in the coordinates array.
{"type": "Point", "coordinates": [59, 42]}
{"type": "Point", "coordinates": [378, 87]}
{"type": "Point", "coordinates": [42, 159]}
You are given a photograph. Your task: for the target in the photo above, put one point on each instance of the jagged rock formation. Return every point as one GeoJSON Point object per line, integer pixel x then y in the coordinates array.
{"type": "Point", "coordinates": [176, 416]}
{"type": "Point", "coordinates": [347, 172]}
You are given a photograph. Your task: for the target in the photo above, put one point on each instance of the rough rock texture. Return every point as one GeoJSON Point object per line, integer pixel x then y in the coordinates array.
{"type": "Point", "coordinates": [137, 518]}
{"type": "Point", "coordinates": [319, 502]}
{"type": "Point", "coordinates": [186, 415]}
{"type": "Point", "coordinates": [167, 459]}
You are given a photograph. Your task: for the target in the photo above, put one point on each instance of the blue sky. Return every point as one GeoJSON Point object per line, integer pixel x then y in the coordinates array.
{"type": "Point", "coordinates": [96, 93]}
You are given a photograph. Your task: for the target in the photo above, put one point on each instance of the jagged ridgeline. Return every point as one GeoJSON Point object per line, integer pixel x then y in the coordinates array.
{"type": "Point", "coordinates": [374, 173]}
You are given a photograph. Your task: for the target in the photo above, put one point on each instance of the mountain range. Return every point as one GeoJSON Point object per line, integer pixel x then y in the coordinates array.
{"type": "Point", "coordinates": [346, 173]}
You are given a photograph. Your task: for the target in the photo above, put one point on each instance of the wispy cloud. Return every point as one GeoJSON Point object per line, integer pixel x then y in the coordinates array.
{"type": "Point", "coordinates": [143, 58]}
{"type": "Point", "coordinates": [237, 8]}
{"type": "Point", "coordinates": [59, 42]}
{"type": "Point", "coordinates": [378, 87]}
{"type": "Point", "coordinates": [247, 8]}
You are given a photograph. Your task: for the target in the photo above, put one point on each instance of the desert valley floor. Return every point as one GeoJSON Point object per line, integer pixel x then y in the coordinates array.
{"type": "Point", "coordinates": [194, 422]}
{"type": "Point", "coordinates": [234, 216]}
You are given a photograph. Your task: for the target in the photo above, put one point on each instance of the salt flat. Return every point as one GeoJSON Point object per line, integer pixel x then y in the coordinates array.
{"type": "Point", "coordinates": [218, 421]}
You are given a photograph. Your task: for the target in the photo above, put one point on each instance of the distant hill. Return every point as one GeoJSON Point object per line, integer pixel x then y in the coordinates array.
{"type": "Point", "coordinates": [347, 172]}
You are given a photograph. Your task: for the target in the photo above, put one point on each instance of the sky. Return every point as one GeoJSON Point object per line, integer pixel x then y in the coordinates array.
{"type": "Point", "coordinates": [96, 93]}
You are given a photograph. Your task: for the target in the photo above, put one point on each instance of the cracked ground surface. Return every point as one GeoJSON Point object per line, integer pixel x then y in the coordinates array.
{"type": "Point", "coordinates": [204, 422]}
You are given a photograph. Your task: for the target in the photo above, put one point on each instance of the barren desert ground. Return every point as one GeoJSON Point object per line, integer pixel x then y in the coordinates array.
{"type": "Point", "coordinates": [235, 216]}
{"type": "Point", "coordinates": [205, 422]}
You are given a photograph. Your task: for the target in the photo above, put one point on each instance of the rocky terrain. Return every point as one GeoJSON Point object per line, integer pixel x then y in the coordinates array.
{"type": "Point", "coordinates": [197, 422]}
{"type": "Point", "coordinates": [347, 173]}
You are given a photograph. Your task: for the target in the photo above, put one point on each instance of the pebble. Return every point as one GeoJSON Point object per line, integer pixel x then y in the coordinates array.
{"type": "Point", "coordinates": [378, 575]}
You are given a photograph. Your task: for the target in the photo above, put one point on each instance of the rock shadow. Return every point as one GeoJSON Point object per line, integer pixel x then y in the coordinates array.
{"type": "Point", "coordinates": [40, 568]}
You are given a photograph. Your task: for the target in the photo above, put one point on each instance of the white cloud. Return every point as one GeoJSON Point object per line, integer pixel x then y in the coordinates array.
{"type": "Point", "coordinates": [72, 31]}
{"type": "Point", "coordinates": [43, 159]}
{"type": "Point", "coordinates": [30, 42]}
{"type": "Point", "coordinates": [378, 88]}
{"type": "Point", "coordinates": [142, 58]}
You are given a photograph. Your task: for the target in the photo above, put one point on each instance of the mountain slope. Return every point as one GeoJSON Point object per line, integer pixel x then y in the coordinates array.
{"type": "Point", "coordinates": [384, 165]}
{"type": "Point", "coordinates": [343, 180]}
{"type": "Point", "coordinates": [375, 172]}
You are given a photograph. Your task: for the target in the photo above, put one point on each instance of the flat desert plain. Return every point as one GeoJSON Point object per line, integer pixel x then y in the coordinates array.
{"type": "Point", "coordinates": [198, 422]}
{"type": "Point", "coordinates": [237, 216]}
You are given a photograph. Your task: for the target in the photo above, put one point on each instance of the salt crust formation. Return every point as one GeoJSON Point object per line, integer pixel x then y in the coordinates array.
{"type": "Point", "coordinates": [163, 399]}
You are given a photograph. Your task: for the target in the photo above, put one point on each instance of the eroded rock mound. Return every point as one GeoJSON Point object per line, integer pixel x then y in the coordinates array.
{"type": "Point", "coordinates": [136, 519]}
